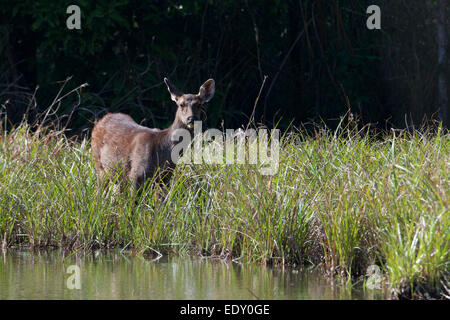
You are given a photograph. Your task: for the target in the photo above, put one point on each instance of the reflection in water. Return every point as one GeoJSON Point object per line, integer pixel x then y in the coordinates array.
{"type": "Point", "coordinates": [112, 275]}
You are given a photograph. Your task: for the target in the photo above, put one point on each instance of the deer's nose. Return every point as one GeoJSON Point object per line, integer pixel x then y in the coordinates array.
{"type": "Point", "coordinates": [191, 119]}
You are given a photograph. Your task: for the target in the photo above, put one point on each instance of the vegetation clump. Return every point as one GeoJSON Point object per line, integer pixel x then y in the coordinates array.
{"type": "Point", "coordinates": [342, 200]}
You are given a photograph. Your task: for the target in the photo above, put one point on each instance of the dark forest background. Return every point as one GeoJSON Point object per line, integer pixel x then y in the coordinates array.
{"type": "Point", "coordinates": [319, 56]}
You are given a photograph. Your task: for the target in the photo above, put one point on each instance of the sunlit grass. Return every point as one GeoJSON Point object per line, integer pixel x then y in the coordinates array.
{"type": "Point", "coordinates": [342, 200]}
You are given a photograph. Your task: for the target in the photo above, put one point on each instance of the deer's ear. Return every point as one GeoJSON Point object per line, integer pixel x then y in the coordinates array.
{"type": "Point", "coordinates": [207, 90]}
{"type": "Point", "coordinates": [174, 92]}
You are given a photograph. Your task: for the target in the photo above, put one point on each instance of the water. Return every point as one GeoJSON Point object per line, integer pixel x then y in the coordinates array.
{"type": "Point", "coordinates": [112, 275]}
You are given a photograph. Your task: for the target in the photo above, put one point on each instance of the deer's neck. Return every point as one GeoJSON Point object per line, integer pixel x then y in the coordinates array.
{"type": "Point", "coordinates": [170, 131]}
{"type": "Point", "coordinates": [170, 139]}
{"type": "Point", "coordinates": [177, 124]}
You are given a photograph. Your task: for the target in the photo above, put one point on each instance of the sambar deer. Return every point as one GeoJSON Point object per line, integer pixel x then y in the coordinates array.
{"type": "Point", "coordinates": [141, 152]}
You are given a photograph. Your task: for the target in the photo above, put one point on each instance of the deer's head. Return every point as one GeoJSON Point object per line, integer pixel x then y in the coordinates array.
{"type": "Point", "coordinates": [189, 105]}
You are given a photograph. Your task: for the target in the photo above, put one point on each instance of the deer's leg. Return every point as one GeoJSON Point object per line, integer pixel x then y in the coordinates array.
{"type": "Point", "coordinates": [100, 173]}
{"type": "Point", "coordinates": [136, 176]}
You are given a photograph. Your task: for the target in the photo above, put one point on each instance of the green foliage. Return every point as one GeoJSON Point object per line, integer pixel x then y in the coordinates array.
{"type": "Point", "coordinates": [341, 200]}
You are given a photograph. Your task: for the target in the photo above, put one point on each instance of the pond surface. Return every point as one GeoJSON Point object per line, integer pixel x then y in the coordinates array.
{"type": "Point", "coordinates": [112, 275]}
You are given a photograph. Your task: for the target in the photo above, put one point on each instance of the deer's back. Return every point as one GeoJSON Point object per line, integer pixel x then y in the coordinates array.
{"type": "Point", "coordinates": [118, 139]}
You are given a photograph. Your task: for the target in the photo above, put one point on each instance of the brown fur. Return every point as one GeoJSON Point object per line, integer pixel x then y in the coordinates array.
{"type": "Point", "coordinates": [119, 142]}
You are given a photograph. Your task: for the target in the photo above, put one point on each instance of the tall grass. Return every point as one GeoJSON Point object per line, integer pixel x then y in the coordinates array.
{"type": "Point", "coordinates": [342, 200]}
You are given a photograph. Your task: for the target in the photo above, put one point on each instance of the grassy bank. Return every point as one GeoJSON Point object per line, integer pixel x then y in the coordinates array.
{"type": "Point", "coordinates": [341, 200]}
